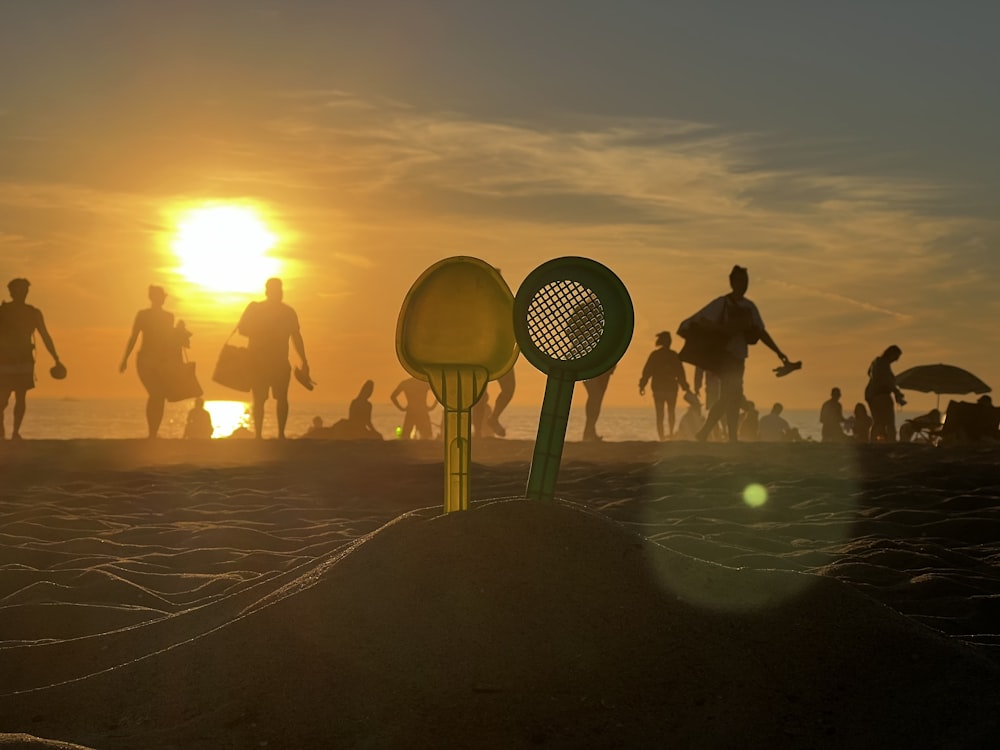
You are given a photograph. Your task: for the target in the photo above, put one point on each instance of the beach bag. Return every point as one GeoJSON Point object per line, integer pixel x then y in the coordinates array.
{"type": "Point", "coordinates": [233, 369]}
{"type": "Point", "coordinates": [181, 383]}
{"type": "Point", "coordinates": [703, 347]}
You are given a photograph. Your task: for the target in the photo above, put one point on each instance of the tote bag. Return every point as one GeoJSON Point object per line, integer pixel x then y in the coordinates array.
{"type": "Point", "coordinates": [233, 368]}
{"type": "Point", "coordinates": [181, 382]}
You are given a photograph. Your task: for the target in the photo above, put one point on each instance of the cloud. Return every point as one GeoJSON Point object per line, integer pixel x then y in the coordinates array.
{"type": "Point", "coordinates": [376, 188]}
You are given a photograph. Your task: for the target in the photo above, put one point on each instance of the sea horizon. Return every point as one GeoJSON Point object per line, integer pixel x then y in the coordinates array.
{"type": "Point", "coordinates": [86, 418]}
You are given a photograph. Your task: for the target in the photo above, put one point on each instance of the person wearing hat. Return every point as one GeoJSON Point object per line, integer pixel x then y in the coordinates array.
{"type": "Point", "coordinates": [665, 372]}
{"type": "Point", "coordinates": [18, 323]}
{"type": "Point", "coordinates": [268, 326]}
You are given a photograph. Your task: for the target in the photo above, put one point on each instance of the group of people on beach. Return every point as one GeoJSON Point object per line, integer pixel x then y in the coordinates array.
{"type": "Point", "coordinates": [269, 325]}
{"type": "Point", "coordinates": [718, 338]}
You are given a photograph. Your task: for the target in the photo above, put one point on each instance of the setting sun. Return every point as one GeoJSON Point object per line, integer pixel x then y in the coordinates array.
{"type": "Point", "coordinates": [225, 248]}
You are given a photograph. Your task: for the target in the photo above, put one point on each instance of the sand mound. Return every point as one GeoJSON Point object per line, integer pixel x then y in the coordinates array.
{"type": "Point", "coordinates": [520, 623]}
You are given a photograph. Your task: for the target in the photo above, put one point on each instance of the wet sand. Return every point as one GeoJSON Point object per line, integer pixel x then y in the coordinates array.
{"type": "Point", "coordinates": [172, 594]}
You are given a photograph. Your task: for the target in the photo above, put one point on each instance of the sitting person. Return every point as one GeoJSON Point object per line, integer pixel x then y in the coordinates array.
{"type": "Point", "coordinates": [965, 422]}
{"type": "Point", "coordinates": [199, 421]}
{"type": "Point", "coordinates": [358, 425]}
{"type": "Point", "coordinates": [926, 426]}
{"type": "Point", "coordinates": [773, 428]}
{"type": "Point", "coordinates": [861, 424]}
{"type": "Point", "coordinates": [692, 420]}
{"type": "Point", "coordinates": [749, 422]}
{"type": "Point", "coordinates": [831, 417]}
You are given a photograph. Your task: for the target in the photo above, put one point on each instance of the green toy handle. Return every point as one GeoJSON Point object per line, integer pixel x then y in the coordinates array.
{"type": "Point", "coordinates": [457, 389]}
{"type": "Point", "coordinates": [552, 424]}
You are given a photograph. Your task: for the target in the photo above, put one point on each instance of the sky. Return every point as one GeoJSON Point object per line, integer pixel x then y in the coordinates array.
{"type": "Point", "coordinates": [844, 152]}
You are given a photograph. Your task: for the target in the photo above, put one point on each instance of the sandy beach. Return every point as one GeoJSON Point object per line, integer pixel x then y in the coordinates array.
{"type": "Point", "coordinates": [310, 594]}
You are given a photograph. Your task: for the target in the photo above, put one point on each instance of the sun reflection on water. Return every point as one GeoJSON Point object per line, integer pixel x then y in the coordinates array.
{"type": "Point", "coordinates": [228, 416]}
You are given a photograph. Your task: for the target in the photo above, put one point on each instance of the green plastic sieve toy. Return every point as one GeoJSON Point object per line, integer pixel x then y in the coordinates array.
{"type": "Point", "coordinates": [573, 320]}
{"type": "Point", "coordinates": [454, 331]}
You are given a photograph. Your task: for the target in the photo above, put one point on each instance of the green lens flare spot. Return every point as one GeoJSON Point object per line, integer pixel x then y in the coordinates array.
{"type": "Point", "coordinates": [755, 495]}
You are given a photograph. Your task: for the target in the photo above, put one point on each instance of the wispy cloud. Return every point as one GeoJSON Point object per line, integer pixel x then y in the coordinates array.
{"type": "Point", "coordinates": [375, 184]}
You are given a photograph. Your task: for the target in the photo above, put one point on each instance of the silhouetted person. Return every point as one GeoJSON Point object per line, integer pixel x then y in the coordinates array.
{"type": "Point", "coordinates": [879, 393]}
{"type": "Point", "coordinates": [18, 323]}
{"type": "Point", "coordinates": [831, 417]}
{"type": "Point", "coordinates": [773, 427]}
{"type": "Point", "coordinates": [710, 381]}
{"type": "Point", "coordinates": [480, 415]}
{"type": "Point", "coordinates": [862, 424]}
{"type": "Point", "coordinates": [159, 354]}
{"type": "Point", "coordinates": [358, 425]}
{"type": "Point", "coordinates": [738, 318]}
{"type": "Point", "coordinates": [416, 409]}
{"type": "Point", "coordinates": [199, 421]}
{"type": "Point", "coordinates": [596, 388]}
{"type": "Point", "coordinates": [749, 422]}
{"type": "Point", "coordinates": [268, 326]}
{"type": "Point", "coordinates": [665, 373]}
{"type": "Point", "coordinates": [692, 419]}
{"type": "Point", "coordinates": [928, 424]}
{"type": "Point", "coordinates": [507, 384]}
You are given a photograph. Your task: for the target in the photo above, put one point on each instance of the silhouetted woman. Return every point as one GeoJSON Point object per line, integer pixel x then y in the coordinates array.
{"type": "Point", "coordinates": [862, 424]}
{"type": "Point", "coordinates": [879, 393]}
{"type": "Point", "coordinates": [666, 371]}
{"type": "Point", "coordinates": [358, 425]}
{"type": "Point", "coordinates": [158, 355]}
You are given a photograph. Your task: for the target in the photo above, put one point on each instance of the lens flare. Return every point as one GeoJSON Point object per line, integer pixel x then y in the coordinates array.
{"type": "Point", "coordinates": [755, 495]}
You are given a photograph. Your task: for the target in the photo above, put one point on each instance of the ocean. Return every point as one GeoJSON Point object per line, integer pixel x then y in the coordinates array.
{"type": "Point", "coordinates": [67, 419]}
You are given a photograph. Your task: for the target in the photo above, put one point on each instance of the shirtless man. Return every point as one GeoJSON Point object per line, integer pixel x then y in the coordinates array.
{"type": "Point", "coordinates": [18, 323]}
{"type": "Point", "coordinates": [268, 326]}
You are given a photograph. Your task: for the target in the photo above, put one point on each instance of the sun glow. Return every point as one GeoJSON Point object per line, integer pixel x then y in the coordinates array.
{"type": "Point", "coordinates": [227, 417]}
{"type": "Point", "coordinates": [225, 248]}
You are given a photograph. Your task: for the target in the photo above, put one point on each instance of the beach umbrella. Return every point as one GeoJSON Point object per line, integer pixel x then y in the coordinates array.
{"type": "Point", "coordinates": [938, 379]}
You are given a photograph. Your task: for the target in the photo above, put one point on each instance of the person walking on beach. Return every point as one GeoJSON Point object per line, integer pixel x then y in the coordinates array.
{"type": "Point", "coordinates": [158, 356]}
{"type": "Point", "coordinates": [596, 388]}
{"type": "Point", "coordinates": [507, 384]}
{"type": "Point", "coordinates": [831, 417]}
{"type": "Point", "coordinates": [739, 322]}
{"type": "Point", "coordinates": [268, 326]}
{"type": "Point", "coordinates": [666, 371]}
{"type": "Point", "coordinates": [417, 410]}
{"type": "Point", "coordinates": [18, 323]}
{"type": "Point", "coordinates": [879, 393]}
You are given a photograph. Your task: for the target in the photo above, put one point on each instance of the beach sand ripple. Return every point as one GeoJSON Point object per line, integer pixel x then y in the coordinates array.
{"type": "Point", "coordinates": [312, 595]}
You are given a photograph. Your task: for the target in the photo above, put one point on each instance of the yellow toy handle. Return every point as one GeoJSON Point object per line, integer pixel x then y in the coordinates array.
{"type": "Point", "coordinates": [457, 388]}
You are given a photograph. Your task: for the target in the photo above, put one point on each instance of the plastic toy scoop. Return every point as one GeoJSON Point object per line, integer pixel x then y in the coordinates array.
{"type": "Point", "coordinates": [455, 331]}
{"type": "Point", "coordinates": [573, 319]}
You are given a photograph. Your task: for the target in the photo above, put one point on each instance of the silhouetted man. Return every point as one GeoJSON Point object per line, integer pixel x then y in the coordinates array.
{"type": "Point", "coordinates": [268, 326]}
{"type": "Point", "coordinates": [738, 319]}
{"type": "Point", "coordinates": [831, 417]}
{"type": "Point", "coordinates": [417, 409]}
{"type": "Point", "coordinates": [18, 323]}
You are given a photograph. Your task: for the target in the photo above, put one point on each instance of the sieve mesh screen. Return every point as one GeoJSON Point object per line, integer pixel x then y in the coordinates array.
{"type": "Point", "coordinates": [565, 320]}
